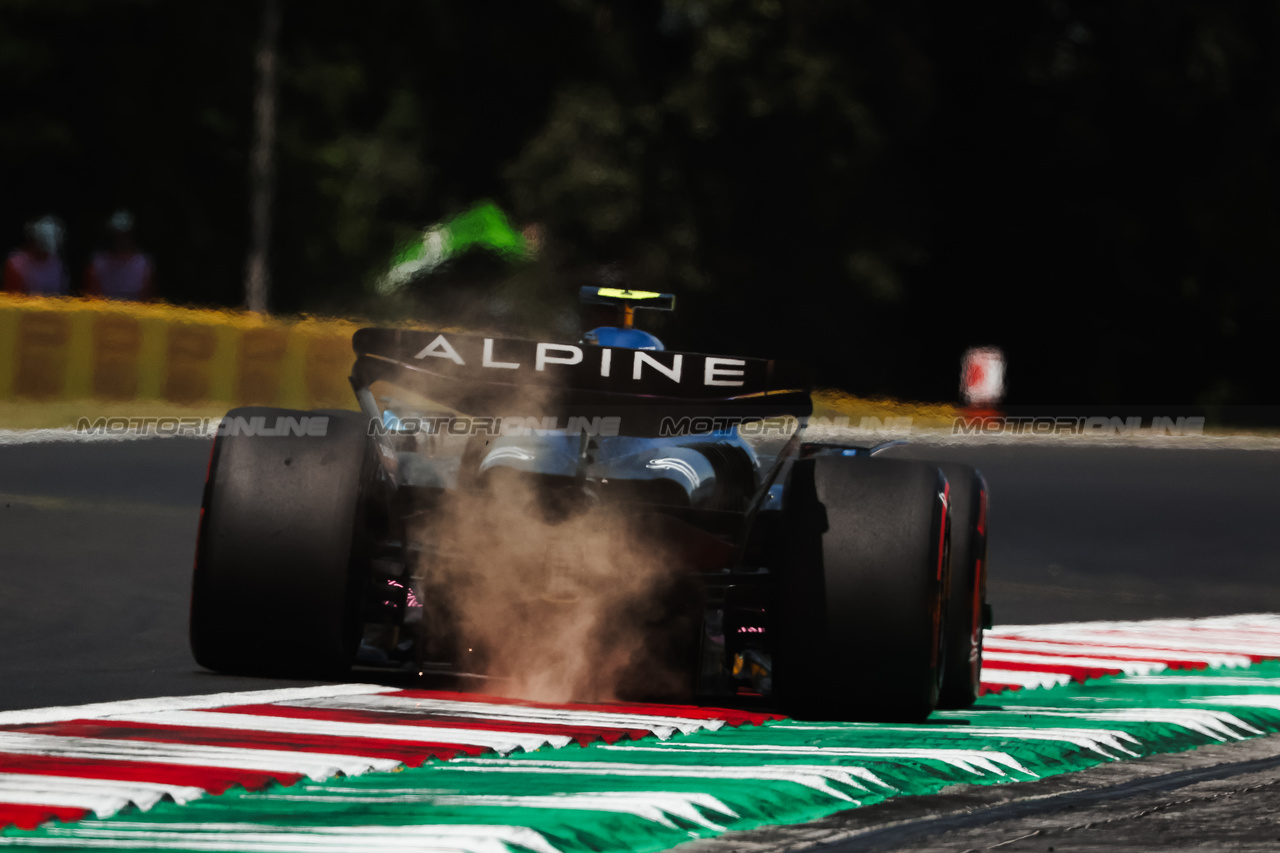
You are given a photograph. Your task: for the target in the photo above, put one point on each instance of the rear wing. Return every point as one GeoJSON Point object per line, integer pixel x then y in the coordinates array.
{"type": "Point", "coordinates": [627, 298]}
{"type": "Point", "coordinates": [483, 376]}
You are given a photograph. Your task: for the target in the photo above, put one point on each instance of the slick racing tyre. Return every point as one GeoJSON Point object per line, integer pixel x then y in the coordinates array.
{"type": "Point", "coordinates": [966, 604]}
{"type": "Point", "coordinates": [862, 588]}
{"type": "Point", "coordinates": [281, 558]}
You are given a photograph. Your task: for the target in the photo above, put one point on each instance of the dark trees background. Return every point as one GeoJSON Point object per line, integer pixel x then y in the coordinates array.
{"type": "Point", "coordinates": [871, 185]}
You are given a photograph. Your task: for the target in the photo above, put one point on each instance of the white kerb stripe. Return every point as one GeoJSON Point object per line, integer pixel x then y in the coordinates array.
{"type": "Point", "coordinates": [1022, 678]}
{"type": "Point", "coordinates": [1201, 639]}
{"type": "Point", "coordinates": [1050, 647]}
{"type": "Point", "coordinates": [263, 838]}
{"type": "Point", "coordinates": [976, 761]}
{"type": "Point", "coordinates": [1050, 661]}
{"type": "Point", "coordinates": [1182, 641]}
{"type": "Point", "coordinates": [1090, 739]}
{"type": "Point", "coordinates": [103, 797]}
{"type": "Point", "coordinates": [515, 713]}
{"type": "Point", "coordinates": [182, 703]}
{"type": "Point", "coordinates": [1247, 700]}
{"type": "Point", "coordinates": [501, 741]}
{"type": "Point", "coordinates": [650, 805]}
{"type": "Point", "coordinates": [817, 777]}
{"type": "Point", "coordinates": [1210, 680]}
{"type": "Point", "coordinates": [316, 765]}
{"type": "Point", "coordinates": [1214, 724]}
{"type": "Point", "coordinates": [1264, 620]}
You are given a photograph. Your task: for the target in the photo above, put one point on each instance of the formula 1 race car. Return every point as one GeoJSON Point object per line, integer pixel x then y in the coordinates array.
{"type": "Point", "coordinates": [588, 520]}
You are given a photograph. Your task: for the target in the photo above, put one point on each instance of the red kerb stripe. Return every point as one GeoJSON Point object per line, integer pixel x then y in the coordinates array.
{"type": "Point", "coordinates": [582, 734]}
{"type": "Point", "coordinates": [988, 687]}
{"type": "Point", "coordinates": [997, 648]}
{"type": "Point", "coordinates": [409, 752]}
{"type": "Point", "coordinates": [215, 780]}
{"type": "Point", "coordinates": [29, 817]}
{"type": "Point", "coordinates": [1150, 651]}
{"type": "Point", "coordinates": [1077, 673]}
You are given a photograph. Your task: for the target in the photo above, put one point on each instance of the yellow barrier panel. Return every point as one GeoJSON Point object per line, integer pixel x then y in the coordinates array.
{"type": "Point", "coordinates": [8, 351]}
{"type": "Point", "coordinates": [67, 350]}
{"type": "Point", "coordinates": [61, 349]}
{"type": "Point", "coordinates": [117, 342]}
{"type": "Point", "coordinates": [42, 345]}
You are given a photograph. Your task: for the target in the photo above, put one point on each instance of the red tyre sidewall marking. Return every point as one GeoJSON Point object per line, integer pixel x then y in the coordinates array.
{"type": "Point", "coordinates": [979, 589]}
{"type": "Point", "coordinates": [942, 590]}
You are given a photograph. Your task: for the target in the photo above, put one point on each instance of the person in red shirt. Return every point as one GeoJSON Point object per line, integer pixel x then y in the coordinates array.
{"type": "Point", "coordinates": [121, 272]}
{"type": "Point", "coordinates": [36, 268]}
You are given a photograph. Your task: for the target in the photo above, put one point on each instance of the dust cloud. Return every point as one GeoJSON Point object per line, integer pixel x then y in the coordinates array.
{"type": "Point", "coordinates": [533, 581]}
{"type": "Point", "coordinates": [554, 597]}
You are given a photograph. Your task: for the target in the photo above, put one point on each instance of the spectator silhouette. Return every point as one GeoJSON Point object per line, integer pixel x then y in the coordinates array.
{"type": "Point", "coordinates": [37, 268]}
{"type": "Point", "coordinates": [121, 272]}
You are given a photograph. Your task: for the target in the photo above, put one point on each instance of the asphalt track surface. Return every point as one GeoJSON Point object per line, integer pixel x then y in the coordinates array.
{"type": "Point", "coordinates": [96, 544]}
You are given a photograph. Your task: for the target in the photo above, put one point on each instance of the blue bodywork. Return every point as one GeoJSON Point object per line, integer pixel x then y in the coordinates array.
{"type": "Point", "coordinates": [623, 338]}
{"type": "Point", "coordinates": [712, 470]}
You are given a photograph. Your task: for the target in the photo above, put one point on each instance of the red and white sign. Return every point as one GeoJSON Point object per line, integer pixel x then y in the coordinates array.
{"type": "Point", "coordinates": [982, 376]}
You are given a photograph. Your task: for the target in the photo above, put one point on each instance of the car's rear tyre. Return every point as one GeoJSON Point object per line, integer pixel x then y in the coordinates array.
{"type": "Point", "coordinates": [281, 558]}
{"type": "Point", "coordinates": [962, 669]}
{"type": "Point", "coordinates": [861, 591]}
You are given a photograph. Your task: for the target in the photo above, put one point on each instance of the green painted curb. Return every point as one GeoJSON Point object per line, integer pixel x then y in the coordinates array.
{"type": "Point", "coordinates": [651, 795]}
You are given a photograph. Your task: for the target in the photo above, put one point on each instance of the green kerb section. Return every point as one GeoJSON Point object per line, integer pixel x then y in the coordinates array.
{"type": "Point", "coordinates": [651, 795]}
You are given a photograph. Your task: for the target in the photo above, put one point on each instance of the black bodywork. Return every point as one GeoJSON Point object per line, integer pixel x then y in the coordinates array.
{"type": "Point", "coordinates": [689, 409]}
